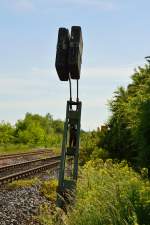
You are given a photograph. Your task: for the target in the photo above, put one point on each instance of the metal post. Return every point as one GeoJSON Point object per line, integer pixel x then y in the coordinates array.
{"type": "Point", "coordinates": [67, 183]}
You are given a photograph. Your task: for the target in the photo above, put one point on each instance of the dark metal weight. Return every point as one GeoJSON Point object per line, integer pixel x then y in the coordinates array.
{"type": "Point", "coordinates": [61, 62]}
{"type": "Point", "coordinates": [75, 52]}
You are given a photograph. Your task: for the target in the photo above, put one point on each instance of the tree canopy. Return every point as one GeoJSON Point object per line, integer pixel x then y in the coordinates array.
{"type": "Point", "coordinates": [129, 124]}
{"type": "Point", "coordinates": [34, 130]}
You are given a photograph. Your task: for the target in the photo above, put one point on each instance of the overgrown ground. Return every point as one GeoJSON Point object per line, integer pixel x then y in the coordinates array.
{"type": "Point", "coordinates": [19, 148]}
{"type": "Point", "coordinates": [108, 194]}
{"type": "Point", "coordinates": [14, 148]}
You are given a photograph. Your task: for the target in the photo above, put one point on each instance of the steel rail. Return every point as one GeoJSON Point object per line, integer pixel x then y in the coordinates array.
{"type": "Point", "coordinates": [28, 163]}
{"type": "Point", "coordinates": [27, 173]}
{"type": "Point", "coordinates": [36, 152]}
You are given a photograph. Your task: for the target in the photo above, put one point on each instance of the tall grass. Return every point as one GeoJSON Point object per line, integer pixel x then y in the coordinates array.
{"type": "Point", "coordinates": [111, 194]}
{"type": "Point", "coordinates": [14, 148]}
{"type": "Point", "coordinates": [20, 148]}
{"type": "Point", "coordinates": [107, 194]}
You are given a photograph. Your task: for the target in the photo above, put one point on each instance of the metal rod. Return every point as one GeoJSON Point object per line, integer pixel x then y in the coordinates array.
{"type": "Point", "coordinates": [70, 88]}
{"type": "Point", "coordinates": [77, 91]}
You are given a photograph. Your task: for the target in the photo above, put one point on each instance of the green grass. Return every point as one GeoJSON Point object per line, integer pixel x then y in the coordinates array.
{"type": "Point", "coordinates": [23, 183]}
{"type": "Point", "coordinates": [20, 148]}
{"type": "Point", "coordinates": [12, 149]}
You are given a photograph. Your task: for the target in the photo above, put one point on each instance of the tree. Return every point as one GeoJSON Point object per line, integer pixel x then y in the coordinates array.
{"type": "Point", "coordinates": [6, 133]}
{"type": "Point", "coordinates": [37, 130]}
{"type": "Point", "coordinates": [129, 126]}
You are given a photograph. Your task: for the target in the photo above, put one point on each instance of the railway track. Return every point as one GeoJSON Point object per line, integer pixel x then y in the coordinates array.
{"type": "Point", "coordinates": [22, 170]}
{"type": "Point", "coordinates": [35, 152]}
{"type": "Point", "coordinates": [28, 163]}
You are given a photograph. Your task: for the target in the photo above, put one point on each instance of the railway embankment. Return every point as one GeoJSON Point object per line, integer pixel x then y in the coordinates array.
{"type": "Point", "coordinates": [21, 201]}
{"type": "Point", "coordinates": [26, 186]}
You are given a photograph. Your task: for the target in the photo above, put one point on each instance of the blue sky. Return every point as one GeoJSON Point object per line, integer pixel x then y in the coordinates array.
{"type": "Point", "coordinates": [116, 40]}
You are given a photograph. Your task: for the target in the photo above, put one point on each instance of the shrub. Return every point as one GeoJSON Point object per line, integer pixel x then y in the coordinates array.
{"type": "Point", "coordinates": [111, 194]}
{"type": "Point", "coordinates": [23, 183]}
{"type": "Point", "coordinates": [100, 153]}
{"type": "Point", "coordinates": [48, 189]}
{"type": "Point", "coordinates": [107, 194]}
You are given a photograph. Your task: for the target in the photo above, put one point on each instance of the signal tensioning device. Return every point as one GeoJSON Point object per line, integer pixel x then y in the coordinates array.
{"type": "Point", "coordinates": [68, 66]}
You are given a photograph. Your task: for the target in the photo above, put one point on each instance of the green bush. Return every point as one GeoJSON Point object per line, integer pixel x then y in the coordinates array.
{"type": "Point", "coordinates": [31, 132]}
{"type": "Point", "coordinates": [23, 183]}
{"type": "Point", "coordinates": [111, 194]}
{"type": "Point", "coordinates": [129, 124]}
{"type": "Point", "coordinates": [100, 153]}
{"type": "Point", "coordinates": [48, 189]}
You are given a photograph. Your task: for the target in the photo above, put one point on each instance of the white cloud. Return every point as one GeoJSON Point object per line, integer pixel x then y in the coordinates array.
{"type": "Point", "coordinates": [19, 85]}
{"type": "Point", "coordinates": [41, 71]}
{"type": "Point", "coordinates": [92, 71]}
{"type": "Point", "coordinates": [43, 78]}
{"type": "Point", "coordinates": [20, 5]}
{"type": "Point", "coordinates": [29, 104]}
{"type": "Point", "coordinates": [37, 78]}
{"type": "Point", "coordinates": [107, 71]}
{"type": "Point", "coordinates": [101, 4]}
{"type": "Point", "coordinates": [30, 5]}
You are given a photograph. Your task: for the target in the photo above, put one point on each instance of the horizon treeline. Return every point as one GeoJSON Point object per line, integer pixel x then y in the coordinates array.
{"type": "Point", "coordinates": [34, 130]}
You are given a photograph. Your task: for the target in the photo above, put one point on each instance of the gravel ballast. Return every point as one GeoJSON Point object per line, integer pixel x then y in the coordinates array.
{"type": "Point", "coordinates": [18, 206]}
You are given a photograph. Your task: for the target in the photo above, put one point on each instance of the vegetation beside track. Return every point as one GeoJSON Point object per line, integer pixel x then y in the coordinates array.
{"type": "Point", "coordinates": [14, 148]}
{"type": "Point", "coordinates": [127, 136]}
{"type": "Point", "coordinates": [23, 183]}
{"type": "Point", "coordinates": [115, 194]}
{"type": "Point", "coordinates": [107, 194]}
{"type": "Point", "coordinates": [47, 188]}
